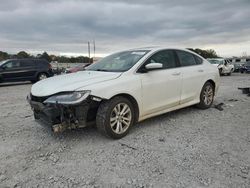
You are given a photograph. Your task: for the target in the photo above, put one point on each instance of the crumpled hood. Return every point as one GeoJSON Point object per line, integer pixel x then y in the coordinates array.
{"type": "Point", "coordinates": [70, 82]}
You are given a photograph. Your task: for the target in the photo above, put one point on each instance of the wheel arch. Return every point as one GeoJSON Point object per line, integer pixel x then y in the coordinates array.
{"type": "Point", "coordinates": [133, 101]}
{"type": "Point", "coordinates": [201, 104]}
{"type": "Point", "coordinates": [212, 82]}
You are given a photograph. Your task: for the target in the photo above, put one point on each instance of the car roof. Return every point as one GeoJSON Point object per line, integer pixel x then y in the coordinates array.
{"type": "Point", "coordinates": [215, 58]}
{"type": "Point", "coordinates": [156, 48]}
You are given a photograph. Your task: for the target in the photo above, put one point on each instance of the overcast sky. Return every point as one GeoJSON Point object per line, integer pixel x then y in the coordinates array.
{"type": "Point", "coordinates": [64, 26]}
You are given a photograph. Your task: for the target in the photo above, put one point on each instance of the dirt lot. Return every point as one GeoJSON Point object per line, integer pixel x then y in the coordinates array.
{"type": "Point", "coordinates": [185, 148]}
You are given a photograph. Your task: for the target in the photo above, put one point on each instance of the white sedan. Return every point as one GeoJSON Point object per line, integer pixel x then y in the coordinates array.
{"type": "Point", "coordinates": [124, 88]}
{"type": "Point", "coordinates": [224, 66]}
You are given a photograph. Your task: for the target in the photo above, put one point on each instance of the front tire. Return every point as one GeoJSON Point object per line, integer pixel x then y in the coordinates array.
{"type": "Point", "coordinates": [206, 96]}
{"type": "Point", "coordinates": [115, 117]}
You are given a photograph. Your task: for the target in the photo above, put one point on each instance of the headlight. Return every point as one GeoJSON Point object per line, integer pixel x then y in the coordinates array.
{"type": "Point", "coordinates": [68, 98]}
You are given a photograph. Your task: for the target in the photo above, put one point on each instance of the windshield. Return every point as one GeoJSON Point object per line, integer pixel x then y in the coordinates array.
{"type": "Point", "coordinates": [118, 62]}
{"type": "Point", "coordinates": [2, 62]}
{"type": "Point", "coordinates": [247, 63]}
{"type": "Point", "coordinates": [216, 61]}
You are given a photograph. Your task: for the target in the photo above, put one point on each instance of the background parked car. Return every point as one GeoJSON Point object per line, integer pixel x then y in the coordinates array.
{"type": "Point", "coordinates": [245, 68]}
{"type": "Point", "coordinates": [77, 68]}
{"type": "Point", "coordinates": [237, 66]}
{"type": "Point", "coordinates": [225, 66]}
{"type": "Point", "coordinates": [33, 70]}
{"type": "Point", "coordinates": [58, 70]}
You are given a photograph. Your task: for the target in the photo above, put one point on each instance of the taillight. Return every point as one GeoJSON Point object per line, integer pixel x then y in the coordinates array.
{"type": "Point", "coordinates": [50, 66]}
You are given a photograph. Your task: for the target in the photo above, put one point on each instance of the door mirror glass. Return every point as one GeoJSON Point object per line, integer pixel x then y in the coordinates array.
{"type": "Point", "coordinates": [152, 66]}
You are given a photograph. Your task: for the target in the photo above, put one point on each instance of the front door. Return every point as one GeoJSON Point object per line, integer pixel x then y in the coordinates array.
{"type": "Point", "coordinates": [11, 70]}
{"type": "Point", "coordinates": [161, 88]}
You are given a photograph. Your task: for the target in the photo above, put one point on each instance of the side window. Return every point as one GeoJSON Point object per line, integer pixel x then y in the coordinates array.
{"type": "Point", "coordinates": [12, 65]}
{"type": "Point", "coordinates": [186, 58]}
{"type": "Point", "coordinates": [27, 63]}
{"type": "Point", "coordinates": [41, 63]}
{"type": "Point", "coordinates": [198, 60]}
{"type": "Point", "coordinates": [165, 57]}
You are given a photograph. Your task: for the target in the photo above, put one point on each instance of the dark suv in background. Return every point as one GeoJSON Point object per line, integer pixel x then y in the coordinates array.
{"type": "Point", "coordinates": [33, 70]}
{"type": "Point", "coordinates": [245, 68]}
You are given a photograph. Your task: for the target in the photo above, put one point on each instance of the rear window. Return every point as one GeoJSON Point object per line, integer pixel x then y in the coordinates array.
{"type": "Point", "coordinates": [27, 63]}
{"type": "Point", "coordinates": [186, 58]}
{"type": "Point", "coordinates": [215, 61]}
{"type": "Point", "coordinates": [198, 60]}
{"type": "Point", "coordinates": [41, 62]}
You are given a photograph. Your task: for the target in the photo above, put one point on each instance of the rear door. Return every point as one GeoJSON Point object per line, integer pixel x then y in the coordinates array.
{"type": "Point", "coordinates": [193, 75]}
{"type": "Point", "coordinates": [161, 88]}
{"type": "Point", "coordinates": [29, 68]}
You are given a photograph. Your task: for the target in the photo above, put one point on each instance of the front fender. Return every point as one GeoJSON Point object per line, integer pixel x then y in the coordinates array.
{"type": "Point", "coordinates": [130, 85]}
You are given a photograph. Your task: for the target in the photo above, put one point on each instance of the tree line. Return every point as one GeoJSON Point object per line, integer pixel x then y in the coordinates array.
{"type": "Point", "coordinates": [210, 53]}
{"type": "Point", "coordinates": [46, 56]}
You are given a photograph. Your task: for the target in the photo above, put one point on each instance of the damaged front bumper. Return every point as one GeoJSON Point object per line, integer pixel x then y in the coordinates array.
{"type": "Point", "coordinates": [60, 117]}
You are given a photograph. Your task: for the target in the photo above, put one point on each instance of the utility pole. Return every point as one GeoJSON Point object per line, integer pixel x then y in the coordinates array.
{"type": "Point", "coordinates": [89, 51]}
{"type": "Point", "coordinates": [94, 46]}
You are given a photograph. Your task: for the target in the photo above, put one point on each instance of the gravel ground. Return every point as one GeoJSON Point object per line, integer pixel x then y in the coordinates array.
{"type": "Point", "coordinates": [185, 148]}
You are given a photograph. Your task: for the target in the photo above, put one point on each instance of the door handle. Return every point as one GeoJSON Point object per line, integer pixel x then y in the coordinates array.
{"type": "Point", "coordinates": [176, 74]}
{"type": "Point", "coordinates": [200, 70]}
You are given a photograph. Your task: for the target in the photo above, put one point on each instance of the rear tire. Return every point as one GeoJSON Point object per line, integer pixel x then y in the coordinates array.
{"type": "Point", "coordinates": [42, 76]}
{"type": "Point", "coordinates": [115, 117]}
{"type": "Point", "coordinates": [206, 96]}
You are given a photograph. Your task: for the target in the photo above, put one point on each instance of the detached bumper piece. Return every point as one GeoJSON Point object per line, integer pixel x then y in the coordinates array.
{"type": "Point", "coordinates": [63, 117]}
{"type": "Point", "coordinates": [245, 90]}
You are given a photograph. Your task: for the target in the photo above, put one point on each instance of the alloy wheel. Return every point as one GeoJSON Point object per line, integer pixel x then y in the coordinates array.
{"type": "Point", "coordinates": [121, 117]}
{"type": "Point", "coordinates": [208, 95]}
{"type": "Point", "coordinates": [42, 76]}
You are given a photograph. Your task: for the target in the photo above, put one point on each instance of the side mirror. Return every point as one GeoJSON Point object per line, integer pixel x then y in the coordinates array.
{"type": "Point", "coordinates": [153, 66]}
